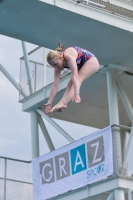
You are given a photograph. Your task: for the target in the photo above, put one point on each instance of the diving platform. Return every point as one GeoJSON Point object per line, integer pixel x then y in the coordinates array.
{"type": "Point", "coordinates": [107, 34]}
{"type": "Point", "coordinates": [93, 109]}
{"type": "Point", "coordinates": [94, 192]}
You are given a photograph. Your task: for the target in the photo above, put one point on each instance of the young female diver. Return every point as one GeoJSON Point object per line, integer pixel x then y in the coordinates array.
{"type": "Point", "coordinates": [82, 64]}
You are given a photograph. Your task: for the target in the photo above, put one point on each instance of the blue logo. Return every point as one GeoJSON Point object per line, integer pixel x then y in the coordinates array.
{"type": "Point", "coordinates": [78, 159]}
{"type": "Point", "coordinates": [95, 171]}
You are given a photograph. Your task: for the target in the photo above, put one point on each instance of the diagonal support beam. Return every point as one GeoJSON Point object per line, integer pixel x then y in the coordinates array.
{"type": "Point", "coordinates": [27, 66]}
{"type": "Point", "coordinates": [56, 126]}
{"type": "Point", "coordinates": [130, 140]}
{"type": "Point", "coordinates": [111, 196]}
{"type": "Point", "coordinates": [11, 79]}
{"type": "Point", "coordinates": [129, 110]}
{"type": "Point", "coordinates": [124, 97]}
{"type": "Point", "coordinates": [45, 133]}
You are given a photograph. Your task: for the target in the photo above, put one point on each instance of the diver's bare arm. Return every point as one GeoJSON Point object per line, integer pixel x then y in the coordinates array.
{"type": "Point", "coordinates": [55, 85]}
{"type": "Point", "coordinates": [67, 89]}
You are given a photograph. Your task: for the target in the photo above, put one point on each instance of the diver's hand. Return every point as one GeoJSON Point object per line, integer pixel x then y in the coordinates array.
{"type": "Point", "coordinates": [48, 108]}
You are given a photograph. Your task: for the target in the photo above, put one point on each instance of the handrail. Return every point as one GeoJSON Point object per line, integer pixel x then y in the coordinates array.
{"type": "Point", "coordinates": [15, 159]}
{"type": "Point", "coordinates": [118, 8]}
{"type": "Point", "coordinates": [22, 58]}
{"type": "Point", "coordinates": [121, 126]}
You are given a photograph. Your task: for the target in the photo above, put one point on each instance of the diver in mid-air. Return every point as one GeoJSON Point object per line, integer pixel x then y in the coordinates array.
{"type": "Point", "coordinates": [82, 64]}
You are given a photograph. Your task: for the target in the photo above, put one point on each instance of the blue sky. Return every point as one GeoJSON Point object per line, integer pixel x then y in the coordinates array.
{"type": "Point", "coordinates": [15, 133]}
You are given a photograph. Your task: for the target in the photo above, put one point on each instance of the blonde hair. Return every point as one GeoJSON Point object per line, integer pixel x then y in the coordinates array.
{"type": "Point", "coordinates": [55, 53]}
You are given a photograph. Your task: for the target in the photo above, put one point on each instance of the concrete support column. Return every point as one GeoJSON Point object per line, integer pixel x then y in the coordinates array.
{"type": "Point", "coordinates": [119, 194]}
{"type": "Point", "coordinates": [127, 150]}
{"type": "Point", "coordinates": [124, 98]}
{"type": "Point", "coordinates": [129, 194]}
{"type": "Point", "coordinates": [34, 134]}
{"type": "Point", "coordinates": [114, 119]}
{"type": "Point", "coordinates": [111, 196]}
{"type": "Point", "coordinates": [123, 147]}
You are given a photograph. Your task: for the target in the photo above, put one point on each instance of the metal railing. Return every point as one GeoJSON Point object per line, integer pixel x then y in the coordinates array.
{"type": "Point", "coordinates": [118, 7]}
{"type": "Point", "coordinates": [15, 179]}
{"type": "Point", "coordinates": [37, 76]}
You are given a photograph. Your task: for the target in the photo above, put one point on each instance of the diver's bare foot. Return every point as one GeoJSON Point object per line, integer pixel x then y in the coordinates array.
{"type": "Point", "coordinates": [59, 107]}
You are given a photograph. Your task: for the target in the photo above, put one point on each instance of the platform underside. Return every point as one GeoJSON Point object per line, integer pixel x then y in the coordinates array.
{"type": "Point", "coordinates": [41, 23]}
{"type": "Point", "coordinates": [99, 190]}
{"type": "Point", "coordinates": [93, 109]}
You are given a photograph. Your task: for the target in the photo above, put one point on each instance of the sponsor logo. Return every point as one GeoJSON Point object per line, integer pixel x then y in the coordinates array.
{"type": "Point", "coordinates": [95, 171]}
{"type": "Point", "coordinates": [88, 156]}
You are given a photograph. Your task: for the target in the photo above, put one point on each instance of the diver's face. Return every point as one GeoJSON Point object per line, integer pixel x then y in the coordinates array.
{"type": "Point", "coordinates": [57, 63]}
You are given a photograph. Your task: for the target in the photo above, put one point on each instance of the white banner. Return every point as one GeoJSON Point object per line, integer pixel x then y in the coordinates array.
{"type": "Point", "coordinates": [76, 165]}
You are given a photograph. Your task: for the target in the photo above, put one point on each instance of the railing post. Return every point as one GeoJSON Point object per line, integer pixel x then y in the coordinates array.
{"type": "Point", "coordinates": [5, 179]}
{"type": "Point", "coordinates": [44, 64]}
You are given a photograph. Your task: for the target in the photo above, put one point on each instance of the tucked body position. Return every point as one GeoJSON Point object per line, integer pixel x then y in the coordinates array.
{"type": "Point", "coordinates": [82, 64]}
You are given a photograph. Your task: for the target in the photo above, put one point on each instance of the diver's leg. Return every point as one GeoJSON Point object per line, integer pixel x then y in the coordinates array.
{"type": "Point", "coordinates": [88, 69]}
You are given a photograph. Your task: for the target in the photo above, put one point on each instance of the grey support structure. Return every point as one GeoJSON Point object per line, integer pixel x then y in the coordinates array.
{"type": "Point", "coordinates": [119, 194]}
{"type": "Point", "coordinates": [111, 196]}
{"type": "Point", "coordinates": [124, 97]}
{"type": "Point", "coordinates": [129, 109]}
{"type": "Point", "coordinates": [129, 194]}
{"type": "Point", "coordinates": [34, 134]}
{"type": "Point", "coordinates": [114, 119]}
{"type": "Point", "coordinates": [27, 66]}
{"type": "Point", "coordinates": [55, 125]}
{"type": "Point", "coordinates": [12, 80]}
{"type": "Point", "coordinates": [45, 133]}
{"type": "Point", "coordinates": [130, 140]}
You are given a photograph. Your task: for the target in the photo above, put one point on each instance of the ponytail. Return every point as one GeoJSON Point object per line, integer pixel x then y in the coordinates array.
{"type": "Point", "coordinates": [55, 53]}
{"type": "Point", "coordinates": [60, 46]}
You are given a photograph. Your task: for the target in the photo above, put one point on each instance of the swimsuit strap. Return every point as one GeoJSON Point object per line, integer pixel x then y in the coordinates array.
{"type": "Point", "coordinates": [72, 47]}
